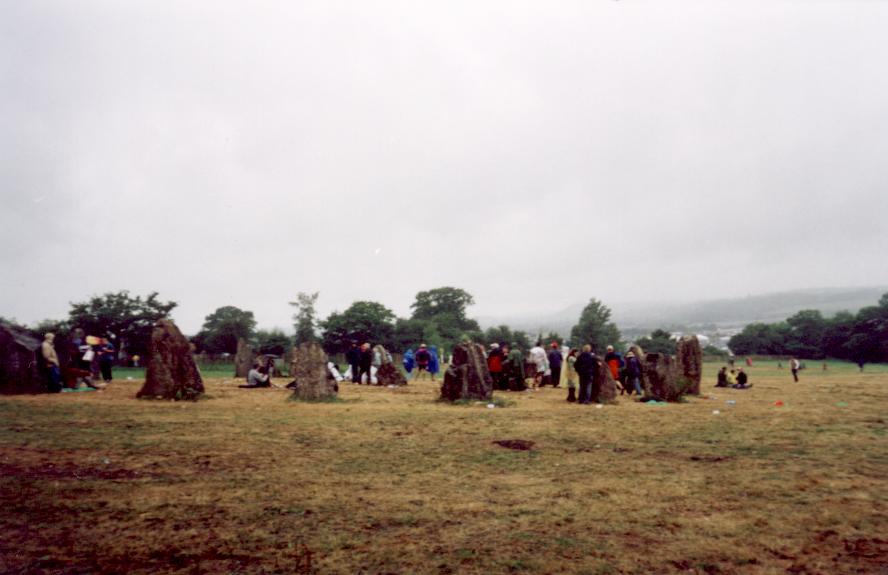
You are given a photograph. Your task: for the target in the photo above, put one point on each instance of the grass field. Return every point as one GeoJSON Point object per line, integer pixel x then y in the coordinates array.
{"type": "Point", "coordinates": [391, 481]}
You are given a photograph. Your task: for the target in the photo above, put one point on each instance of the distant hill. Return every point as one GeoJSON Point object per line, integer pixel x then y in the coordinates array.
{"type": "Point", "coordinates": [723, 313]}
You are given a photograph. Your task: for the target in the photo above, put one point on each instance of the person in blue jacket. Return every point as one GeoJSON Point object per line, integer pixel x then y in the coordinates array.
{"type": "Point", "coordinates": [409, 362]}
{"type": "Point", "coordinates": [434, 364]}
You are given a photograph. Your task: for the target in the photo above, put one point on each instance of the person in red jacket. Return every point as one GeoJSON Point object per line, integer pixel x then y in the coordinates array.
{"type": "Point", "coordinates": [495, 365]}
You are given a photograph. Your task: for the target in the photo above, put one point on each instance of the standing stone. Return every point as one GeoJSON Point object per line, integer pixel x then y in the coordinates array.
{"type": "Point", "coordinates": [19, 371]}
{"type": "Point", "coordinates": [663, 377]}
{"type": "Point", "coordinates": [690, 362]}
{"type": "Point", "coordinates": [172, 372]}
{"type": "Point", "coordinates": [607, 387]}
{"type": "Point", "coordinates": [243, 359]}
{"type": "Point", "coordinates": [467, 377]}
{"type": "Point", "coordinates": [313, 381]}
{"type": "Point", "coordinates": [388, 373]}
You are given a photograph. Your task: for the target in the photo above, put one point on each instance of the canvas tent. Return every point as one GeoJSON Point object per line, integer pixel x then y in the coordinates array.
{"type": "Point", "coordinates": [19, 371]}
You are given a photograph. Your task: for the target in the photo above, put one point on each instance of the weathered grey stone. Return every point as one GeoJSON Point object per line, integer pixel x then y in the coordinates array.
{"type": "Point", "coordinates": [243, 358]}
{"type": "Point", "coordinates": [313, 381]}
{"type": "Point", "coordinates": [18, 361]}
{"type": "Point", "coordinates": [690, 362]}
{"type": "Point", "coordinates": [606, 387]}
{"type": "Point", "coordinates": [467, 377]}
{"type": "Point", "coordinates": [172, 372]}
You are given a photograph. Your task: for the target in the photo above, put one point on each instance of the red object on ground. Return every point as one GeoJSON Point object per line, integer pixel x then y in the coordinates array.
{"type": "Point", "coordinates": [778, 403]}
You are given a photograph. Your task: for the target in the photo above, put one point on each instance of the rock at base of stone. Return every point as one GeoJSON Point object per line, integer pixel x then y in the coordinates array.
{"type": "Point", "coordinates": [467, 377]}
{"type": "Point", "coordinates": [172, 372]}
{"type": "Point", "coordinates": [690, 362]}
{"type": "Point", "coordinates": [389, 374]}
{"type": "Point", "coordinates": [313, 381]}
{"type": "Point", "coordinates": [243, 358]}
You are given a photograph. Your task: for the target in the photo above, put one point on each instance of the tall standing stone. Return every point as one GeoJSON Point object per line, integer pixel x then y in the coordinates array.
{"type": "Point", "coordinates": [243, 358]}
{"type": "Point", "coordinates": [690, 362]}
{"type": "Point", "coordinates": [467, 377]}
{"type": "Point", "coordinates": [309, 370]}
{"type": "Point", "coordinates": [19, 371]}
{"type": "Point", "coordinates": [607, 387]}
{"type": "Point", "coordinates": [172, 372]}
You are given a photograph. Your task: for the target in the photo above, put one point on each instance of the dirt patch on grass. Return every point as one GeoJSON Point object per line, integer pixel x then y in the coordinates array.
{"type": "Point", "coordinates": [517, 444]}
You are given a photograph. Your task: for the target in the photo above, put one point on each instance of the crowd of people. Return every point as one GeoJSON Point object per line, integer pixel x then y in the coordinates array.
{"type": "Point", "coordinates": [90, 358]}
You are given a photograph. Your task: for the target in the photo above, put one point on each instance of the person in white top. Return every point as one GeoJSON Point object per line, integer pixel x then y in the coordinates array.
{"type": "Point", "coordinates": [794, 368]}
{"type": "Point", "coordinates": [539, 359]}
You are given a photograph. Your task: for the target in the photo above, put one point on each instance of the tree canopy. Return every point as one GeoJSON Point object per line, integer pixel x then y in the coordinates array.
{"type": "Point", "coordinates": [304, 317]}
{"type": "Point", "coordinates": [223, 327]}
{"type": "Point", "coordinates": [363, 321]}
{"type": "Point", "coordinates": [660, 341]}
{"type": "Point", "coordinates": [129, 319]}
{"type": "Point", "coordinates": [445, 309]}
{"type": "Point", "coordinates": [595, 327]}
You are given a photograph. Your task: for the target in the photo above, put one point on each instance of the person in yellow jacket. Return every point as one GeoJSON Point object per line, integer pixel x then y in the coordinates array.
{"type": "Point", "coordinates": [569, 377]}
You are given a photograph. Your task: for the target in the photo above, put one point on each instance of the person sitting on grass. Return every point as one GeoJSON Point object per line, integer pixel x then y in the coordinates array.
{"type": "Point", "coordinates": [742, 380]}
{"type": "Point", "coordinates": [732, 378]}
{"type": "Point", "coordinates": [257, 377]}
{"type": "Point", "coordinates": [722, 377]}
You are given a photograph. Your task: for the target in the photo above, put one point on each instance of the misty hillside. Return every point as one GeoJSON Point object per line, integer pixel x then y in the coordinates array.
{"type": "Point", "coordinates": [729, 312]}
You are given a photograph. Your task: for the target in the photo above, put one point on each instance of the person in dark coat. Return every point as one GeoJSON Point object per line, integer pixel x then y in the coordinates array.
{"type": "Point", "coordinates": [555, 359]}
{"type": "Point", "coordinates": [106, 360]}
{"type": "Point", "coordinates": [633, 374]}
{"type": "Point", "coordinates": [353, 357]}
{"type": "Point", "coordinates": [366, 364]}
{"type": "Point", "coordinates": [722, 377]}
{"type": "Point", "coordinates": [586, 367]}
{"type": "Point", "coordinates": [742, 380]}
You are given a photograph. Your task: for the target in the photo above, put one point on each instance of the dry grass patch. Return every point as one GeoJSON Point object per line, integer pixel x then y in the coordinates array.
{"type": "Point", "coordinates": [391, 481]}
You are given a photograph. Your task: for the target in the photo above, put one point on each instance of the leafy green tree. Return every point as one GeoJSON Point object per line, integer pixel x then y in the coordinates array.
{"type": "Point", "coordinates": [869, 339]}
{"type": "Point", "coordinates": [274, 342]}
{"type": "Point", "coordinates": [363, 321]}
{"type": "Point", "coordinates": [128, 318]}
{"type": "Point", "coordinates": [304, 317]}
{"type": "Point", "coordinates": [839, 330]}
{"type": "Point", "coordinates": [761, 339]}
{"type": "Point", "coordinates": [807, 329]}
{"type": "Point", "coordinates": [595, 327]}
{"type": "Point", "coordinates": [445, 308]}
{"type": "Point", "coordinates": [660, 341]}
{"type": "Point", "coordinates": [442, 301]}
{"type": "Point", "coordinates": [222, 328]}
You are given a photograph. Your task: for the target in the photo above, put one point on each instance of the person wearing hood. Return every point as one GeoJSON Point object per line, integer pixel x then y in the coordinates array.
{"type": "Point", "coordinates": [722, 380]}
{"type": "Point", "coordinates": [434, 364]}
{"type": "Point", "coordinates": [422, 358]}
{"type": "Point", "coordinates": [514, 369]}
{"type": "Point", "coordinates": [409, 362]}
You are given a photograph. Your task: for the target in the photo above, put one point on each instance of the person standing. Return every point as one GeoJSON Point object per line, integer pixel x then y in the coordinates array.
{"type": "Point", "coordinates": [794, 366]}
{"type": "Point", "coordinates": [51, 359]}
{"type": "Point", "coordinates": [614, 362]}
{"type": "Point", "coordinates": [366, 363]}
{"type": "Point", "coordinates": [539, 360]}
{"type": "Point", "coordinates": [514, 369]}
{"type": "Point", "coordinates": [555, 362]}
{"type": "Point", "coordinates": [106, 360]}
{"type": "Point", "coordinates": [422, 360]}
{"type": "Point", "coordinates": [434, 362]}
{"type": "Point", "coordinates": [569, 375]}
{"type": "Point", "coordinates": [353, 357]}
{"type": "Point", "coordinates": [586, 367]}
{"type": "Point", "coordinates": [409, 362]}
{"type": "Point", "coordinates": [633, 374]}
{"type": "Point", "coordinates": [495, 365]}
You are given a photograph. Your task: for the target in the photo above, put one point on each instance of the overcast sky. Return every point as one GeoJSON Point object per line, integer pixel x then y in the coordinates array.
{"type": "Point", "coordinates": [536, 154]}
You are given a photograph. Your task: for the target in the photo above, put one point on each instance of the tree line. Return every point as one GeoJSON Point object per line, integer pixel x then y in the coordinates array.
{"type": "Point", "coordinates": [861, 337]}
{"type": "Point", "coordinates": [438, 317]}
